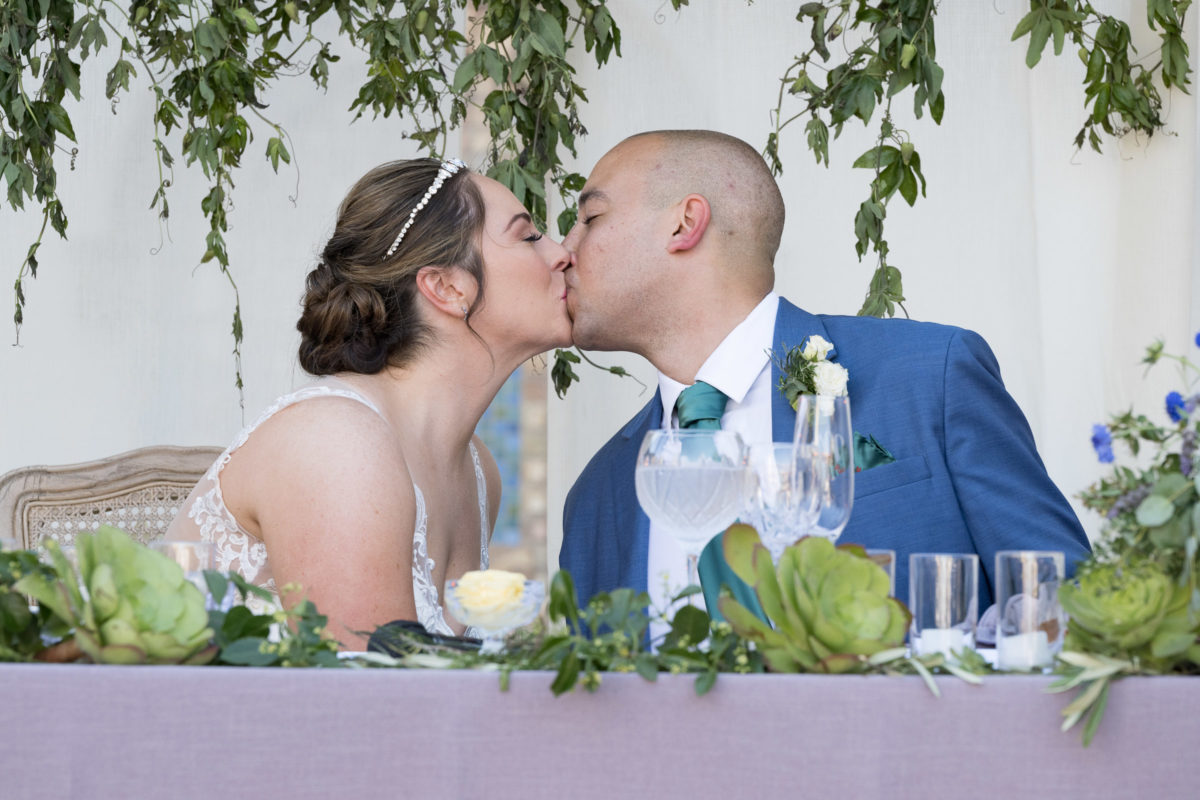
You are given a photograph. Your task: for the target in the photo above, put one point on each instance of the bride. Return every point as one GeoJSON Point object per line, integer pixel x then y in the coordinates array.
{"type": "Point", "coordinates": [368, 488]}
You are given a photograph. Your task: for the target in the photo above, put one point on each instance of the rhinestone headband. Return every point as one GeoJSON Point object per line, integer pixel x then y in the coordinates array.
{"type": "Point", "coordinates": [446, 171]}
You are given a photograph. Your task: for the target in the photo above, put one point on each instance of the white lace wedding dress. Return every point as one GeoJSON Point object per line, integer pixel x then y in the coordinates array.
{"type": "Point", "coordinates": [237, 550]}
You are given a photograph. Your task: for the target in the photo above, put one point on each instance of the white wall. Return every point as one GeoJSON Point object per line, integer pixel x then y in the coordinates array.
{"type": "Point", "coordinates": [1068, 264]}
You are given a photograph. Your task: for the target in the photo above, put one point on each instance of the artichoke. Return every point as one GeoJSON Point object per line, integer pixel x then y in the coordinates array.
{"type": "Point", "coordinates": [1131, 610]}
{"type": "Point", "coordinates": [138, 608]}
{"type": "Point", "coordinates": [829, 605]}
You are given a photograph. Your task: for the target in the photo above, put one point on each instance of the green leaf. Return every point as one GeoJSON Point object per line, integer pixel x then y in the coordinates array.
{"type": "Point", "coordinates": [248, 652]}
{"type": "Point", "coordinates": [705, 681]}
{"type": "Point", "coordinates": [59, 121]}
{"type": "Point", "coordinates": [690, 622]}
{"type": "Point", "coordinates": [567, 675]}
{"type": "Point", "coordinates": [908, 186]}
{"type": "Point", "coordinates": [1026, 24]}
{"type": "Point", "coordinates": [247, 19]}
{"type": "Point", "coordinates": [1171, 643]}
{"type": "Point", "coordinates": [465, 74]}
{"type": "Point", "coordinates": [1095, 65]}
{"type": "Point", "coordinates": [1089, 730]}
{"type": "Point", "coordinates": [691, 591]}
{"type": "Point", "coordinates": [1154, 511]}
{"type": "Point", "coordinates": [563, 605]}
{"type": "Point", "coordinates": [217, 584]}
{"type": "Point", "coordinates": [1037, 42]}
{"type": "Point", "coordinates": [883, 156]}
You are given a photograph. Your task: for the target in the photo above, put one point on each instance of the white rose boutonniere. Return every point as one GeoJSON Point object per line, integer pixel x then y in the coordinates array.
{"type": "Point", "coordinates": [807, 370]}
{"type": "Point", "coordinates": [830, 378]}
{"type": "Point", "coordinates": [816, 348]}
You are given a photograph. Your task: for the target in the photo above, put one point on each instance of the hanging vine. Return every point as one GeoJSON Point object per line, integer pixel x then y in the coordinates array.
{"type": "Point", "coordinates": [890, 49]}
{"type": "Point", "coordinates": [209, 62]}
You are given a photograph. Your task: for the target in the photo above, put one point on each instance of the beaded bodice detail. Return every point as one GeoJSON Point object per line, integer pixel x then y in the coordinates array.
{"type": "Point", "coordinates": [238, 550]}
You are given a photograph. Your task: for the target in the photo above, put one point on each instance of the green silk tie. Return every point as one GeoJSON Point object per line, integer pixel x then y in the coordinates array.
{"type": "Point", "coordinates": [700, 407]}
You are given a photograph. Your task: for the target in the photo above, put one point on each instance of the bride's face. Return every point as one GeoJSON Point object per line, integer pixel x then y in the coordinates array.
{"type": "Point", "coordinates": [525, 293]}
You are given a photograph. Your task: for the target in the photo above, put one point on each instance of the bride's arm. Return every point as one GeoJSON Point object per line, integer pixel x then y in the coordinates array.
{"type": "Point", "coordinates": [334, 504]}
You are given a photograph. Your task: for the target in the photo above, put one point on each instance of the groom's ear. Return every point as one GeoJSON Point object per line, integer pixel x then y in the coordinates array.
{"type": "Point", "coordinates": [447, 289]}
{"type": "Point", "coordinates": [692, 217]}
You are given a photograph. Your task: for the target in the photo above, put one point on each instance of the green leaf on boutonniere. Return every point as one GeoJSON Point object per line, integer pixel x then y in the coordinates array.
{"type": "Point", "coordinates": [795, 373]}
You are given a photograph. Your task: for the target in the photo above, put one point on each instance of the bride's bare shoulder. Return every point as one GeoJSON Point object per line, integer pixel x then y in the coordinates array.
{"type": "Point", "coordinates": [321, 445]}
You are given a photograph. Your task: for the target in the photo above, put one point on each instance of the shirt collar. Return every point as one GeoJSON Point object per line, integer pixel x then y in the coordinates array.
{"type": "Point", "coordinates": [736, 363]}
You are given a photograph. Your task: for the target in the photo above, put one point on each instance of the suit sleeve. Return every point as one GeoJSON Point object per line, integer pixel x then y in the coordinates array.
{"type": "Point", "coordinates": [1006, 497]}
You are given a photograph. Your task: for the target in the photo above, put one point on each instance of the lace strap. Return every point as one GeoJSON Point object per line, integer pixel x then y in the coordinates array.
{"type": "Point", "coordinates": [481, 493]}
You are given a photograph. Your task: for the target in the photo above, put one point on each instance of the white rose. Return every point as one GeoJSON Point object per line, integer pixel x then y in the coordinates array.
{"type": "Point", "coordinates": [830, 379]}
{"type": "Point", "coordinates": [816, 348]}
{"type": "Point", "coordinates": [491, 599]}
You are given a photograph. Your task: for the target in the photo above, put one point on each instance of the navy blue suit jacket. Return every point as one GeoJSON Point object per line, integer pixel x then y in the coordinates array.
{"type": "Point", "coordinates": [967, 477]}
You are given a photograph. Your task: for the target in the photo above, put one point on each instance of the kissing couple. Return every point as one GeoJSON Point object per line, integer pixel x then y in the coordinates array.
{"type": "Point", "coordinates": [369, 488]}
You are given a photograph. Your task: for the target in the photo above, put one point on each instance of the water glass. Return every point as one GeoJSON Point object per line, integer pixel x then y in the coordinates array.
{"type": "Point", "coordinates": [886, 559]}
{"type": "Point", "coordinates": [781, 501]}
{"type": "Point", "coordinates": [943, 597]}
{"type": "Point", "coordinates": [691, 483]}
{"type": "Point", "coordinates": [823, 432]}
{"type": "Point", "coordinates": [1030, 622]}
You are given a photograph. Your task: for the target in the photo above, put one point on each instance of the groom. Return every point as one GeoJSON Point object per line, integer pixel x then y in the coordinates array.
{"type": "Point", "coordinates": [674, 260]}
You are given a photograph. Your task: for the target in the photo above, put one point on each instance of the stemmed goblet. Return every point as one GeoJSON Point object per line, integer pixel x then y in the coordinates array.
{"type": "Point", "coordinates": [691, 484]}
{"type": "Point", "coordinates": [823, 433]}
{"type": "Point", "coordinates": [782, 500]}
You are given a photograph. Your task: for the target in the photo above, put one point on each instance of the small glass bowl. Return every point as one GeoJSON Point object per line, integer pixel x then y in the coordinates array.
{"type": "Point", "coordinates": [496, 625]}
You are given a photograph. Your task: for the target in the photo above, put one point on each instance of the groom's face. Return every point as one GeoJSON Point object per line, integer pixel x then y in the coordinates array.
{"type": "Point", "coordinates": [611, 284]}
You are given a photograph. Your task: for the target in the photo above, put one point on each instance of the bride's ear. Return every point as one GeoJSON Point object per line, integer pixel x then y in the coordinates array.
{"type": "Point", "coordinates": [448, 289]}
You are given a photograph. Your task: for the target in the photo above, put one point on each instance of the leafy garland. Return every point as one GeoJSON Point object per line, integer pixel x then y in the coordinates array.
{"type": "Point", "coordinates": [139, 608]}
{"type": "Point", "coordinates": [208, 64]}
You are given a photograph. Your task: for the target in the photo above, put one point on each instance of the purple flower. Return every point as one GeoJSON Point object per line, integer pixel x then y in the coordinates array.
{"type": "Point", "coordinates": [1198, 339]}
{"type": "Point", "coordinates": [1102, 442]}
{"type": "Point", "coordinates": [1176, 407]}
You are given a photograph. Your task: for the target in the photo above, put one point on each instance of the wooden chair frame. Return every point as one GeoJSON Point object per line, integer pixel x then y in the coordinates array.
{"type": "Point", "coordinates": [98, 487]}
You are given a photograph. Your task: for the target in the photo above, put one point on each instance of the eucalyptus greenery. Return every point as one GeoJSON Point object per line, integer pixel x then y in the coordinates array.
{"type": "Point", "coordinates": [209, 64]}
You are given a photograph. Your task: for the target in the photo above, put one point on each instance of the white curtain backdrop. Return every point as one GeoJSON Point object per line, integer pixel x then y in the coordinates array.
{"type": "Point", "coordinates": [1069, 264]}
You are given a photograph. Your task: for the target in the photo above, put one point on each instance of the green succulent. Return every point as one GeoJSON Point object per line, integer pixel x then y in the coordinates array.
{"type": "Point", "coordinates": [829, 605]}
{"type": "Point", "coordinates": [138, 607]}
{"type": "Point", "coordinates": [21, 627]}
{"type": "Point", "coordinates": [1131, 610]}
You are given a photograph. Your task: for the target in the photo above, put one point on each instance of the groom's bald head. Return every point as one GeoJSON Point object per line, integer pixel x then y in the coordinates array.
{"type": "Point", "coordinates": [747, 207]}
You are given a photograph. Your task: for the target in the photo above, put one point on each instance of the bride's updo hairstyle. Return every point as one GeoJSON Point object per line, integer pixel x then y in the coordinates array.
{"type": "Point", "coordinates": [360, 302]}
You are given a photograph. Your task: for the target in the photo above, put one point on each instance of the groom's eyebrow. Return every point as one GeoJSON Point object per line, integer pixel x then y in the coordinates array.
{"type": "Point", "coordinates": [591, 194]}
{"type": "Point", "coordinates": [517, 218]}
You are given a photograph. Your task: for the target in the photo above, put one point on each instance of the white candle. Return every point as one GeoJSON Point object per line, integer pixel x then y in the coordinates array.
{"type": "Point", "coordinates": [1023, 651]}
{"type": "Point", "coordinates": [941, 640]}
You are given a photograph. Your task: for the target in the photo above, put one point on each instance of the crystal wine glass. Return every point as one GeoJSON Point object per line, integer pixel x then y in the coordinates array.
{"type": "Point", "coordinates": [823, 431]}
{"type": "Point", "coordinates": [691, 483]}
{"type": "Point", "coordinates": [782, 501]}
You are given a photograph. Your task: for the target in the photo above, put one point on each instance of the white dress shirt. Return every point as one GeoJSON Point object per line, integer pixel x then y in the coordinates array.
{"type": "Point", "coordinates": [741, 368]}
